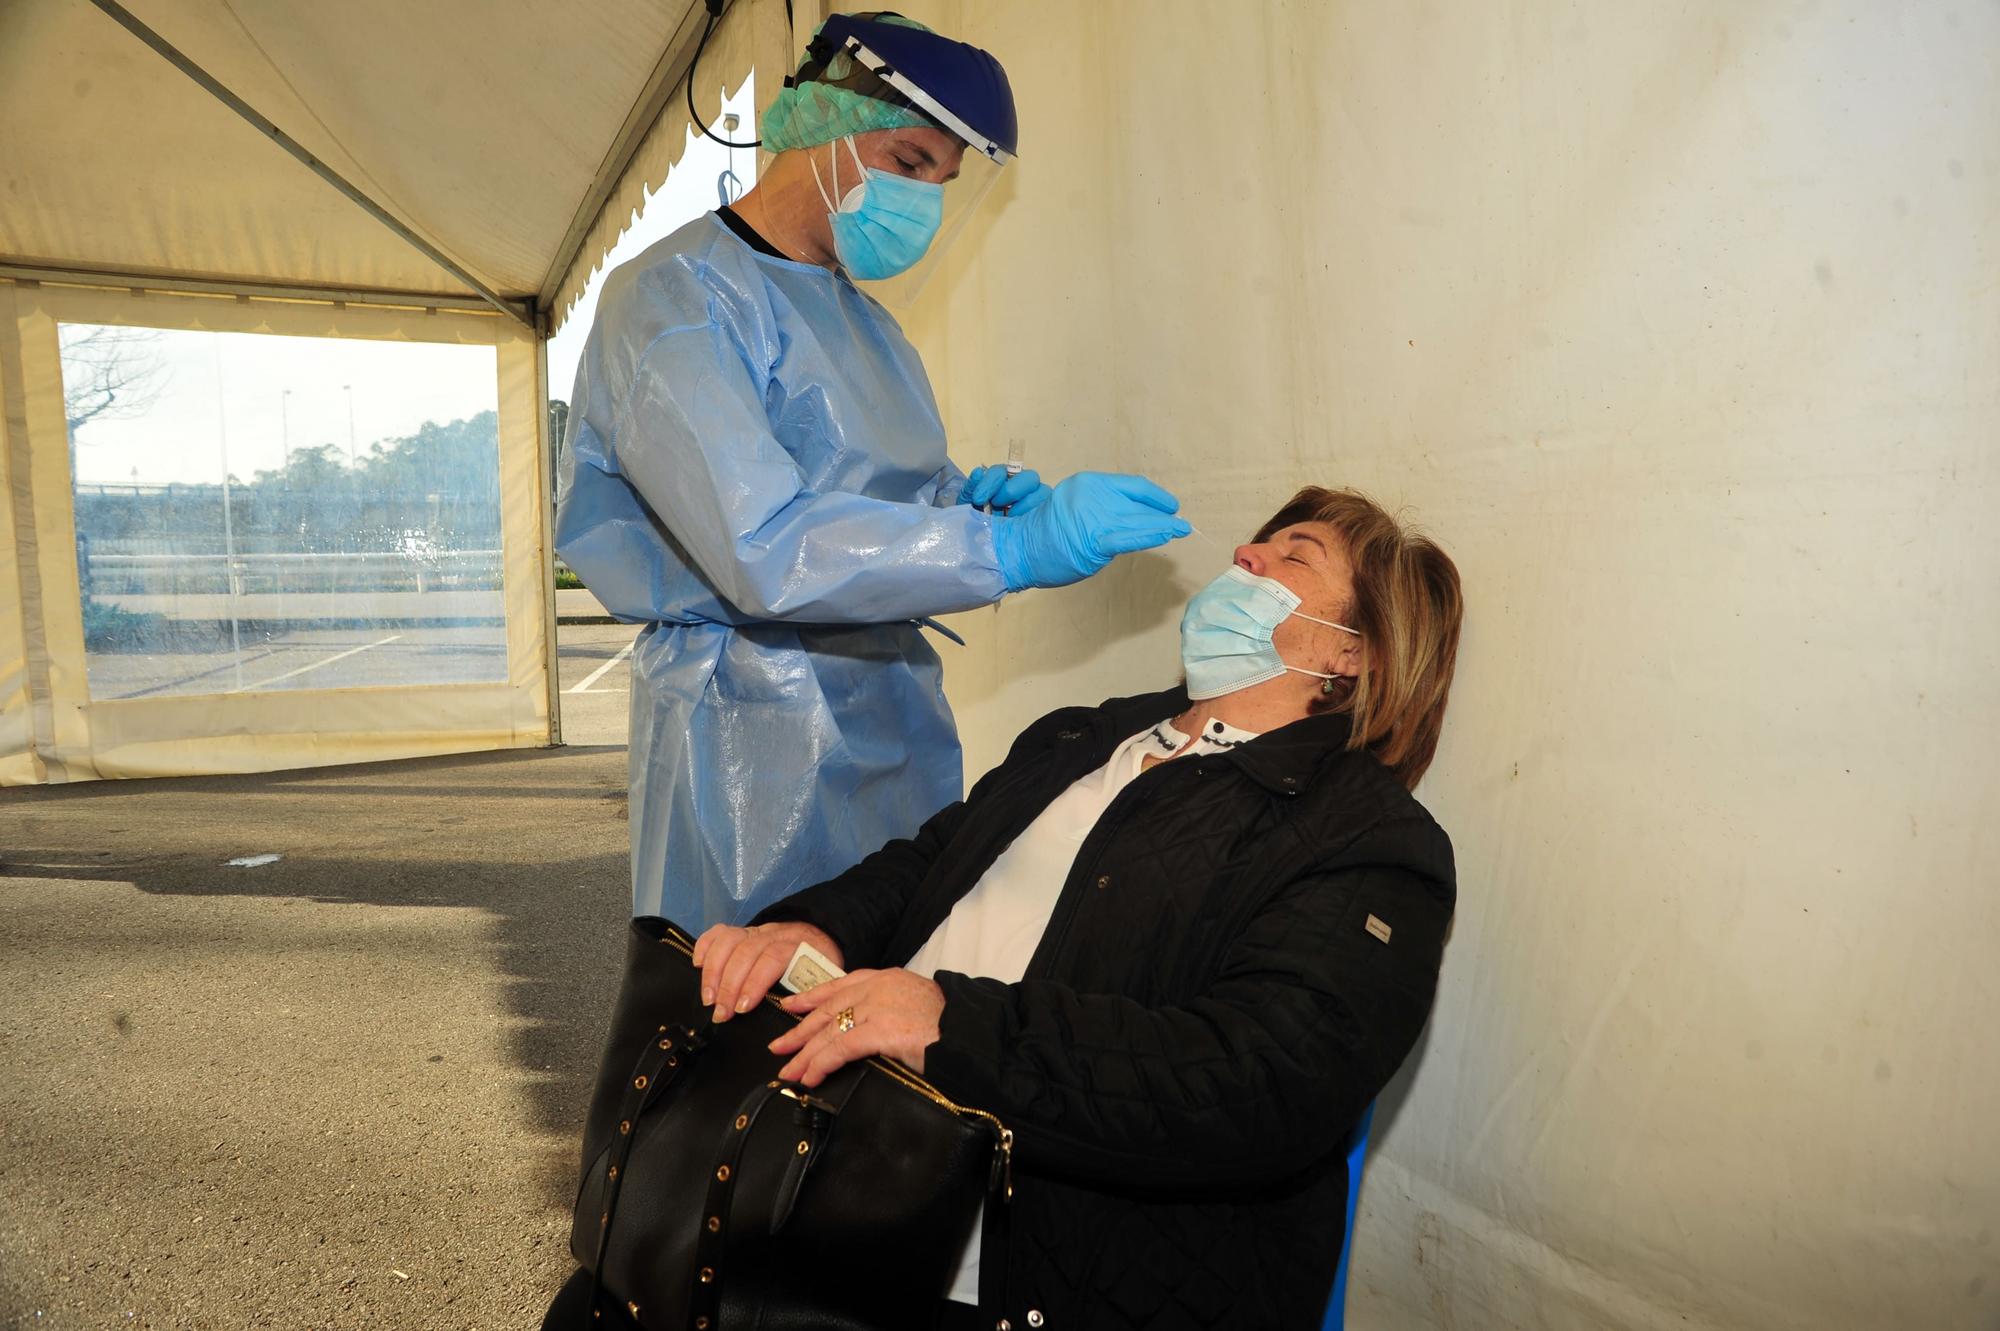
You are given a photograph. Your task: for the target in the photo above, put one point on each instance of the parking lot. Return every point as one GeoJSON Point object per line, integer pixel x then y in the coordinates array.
{"type": "Point", "coordinates": [302, 657]}
{"type": "Point", "coordinates": [593, 666]}
{"type": "Point", "coordinates": [596, 675]}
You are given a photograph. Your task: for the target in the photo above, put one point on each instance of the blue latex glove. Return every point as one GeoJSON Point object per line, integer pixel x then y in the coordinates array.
{"type": "Point", "coordinates": [1089, 519]}
{"type": "Point", "coordinates": [992, 487]}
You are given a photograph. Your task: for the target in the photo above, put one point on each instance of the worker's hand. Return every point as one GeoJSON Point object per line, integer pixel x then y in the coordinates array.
{"type": "Point", "coordinates": [739, 966]}
{"type": "Point", "coordinates": [893, 1012]}
{"type": "Point", "coordinates": [1089, 520]}
{"type": "Point", "coordinates": [1016, 495]}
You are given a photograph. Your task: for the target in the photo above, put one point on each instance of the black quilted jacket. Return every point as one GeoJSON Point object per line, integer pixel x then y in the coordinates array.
{"type": "Point", "coordinates": [1245, 950]}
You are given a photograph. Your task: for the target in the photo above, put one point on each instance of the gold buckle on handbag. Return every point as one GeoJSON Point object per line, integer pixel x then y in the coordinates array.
{"type": "Point", "coordinates": [808, 1100]}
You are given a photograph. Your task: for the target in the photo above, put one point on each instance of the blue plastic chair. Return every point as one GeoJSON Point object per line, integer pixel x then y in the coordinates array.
{"type": "Point", "coordinates": [1357, 1149]}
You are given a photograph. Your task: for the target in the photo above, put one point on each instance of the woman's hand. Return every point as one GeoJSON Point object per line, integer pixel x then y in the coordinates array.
{"type": "Point", "coordinates": [739, 966]}
{"type": "Point", "coordinates": [889, 1012]}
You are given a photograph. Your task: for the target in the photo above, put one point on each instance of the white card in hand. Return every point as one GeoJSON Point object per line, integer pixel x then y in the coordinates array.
{"type": "Point", "coordinates": [809, 967]}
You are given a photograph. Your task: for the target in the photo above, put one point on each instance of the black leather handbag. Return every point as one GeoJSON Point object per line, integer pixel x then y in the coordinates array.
{"type": "Point", "coordinates": [716, 1197]}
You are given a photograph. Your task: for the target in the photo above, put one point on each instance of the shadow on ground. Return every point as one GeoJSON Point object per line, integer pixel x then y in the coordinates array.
{"type": "Point", "coordinates": [439, 944]}
{"type": "Point", "coordinates": [537, 839]}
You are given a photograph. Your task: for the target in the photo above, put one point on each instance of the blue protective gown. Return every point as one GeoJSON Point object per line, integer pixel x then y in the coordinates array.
{"type": "Point", "coordinates": [756, 469]}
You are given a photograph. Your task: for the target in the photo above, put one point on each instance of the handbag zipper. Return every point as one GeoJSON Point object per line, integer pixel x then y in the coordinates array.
{"type": "Point", "coordinates": [1001, 1132]}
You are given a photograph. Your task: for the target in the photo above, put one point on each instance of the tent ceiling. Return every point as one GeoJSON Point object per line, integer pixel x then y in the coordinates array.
{"type": "Point", "coordinates": [482, 128]}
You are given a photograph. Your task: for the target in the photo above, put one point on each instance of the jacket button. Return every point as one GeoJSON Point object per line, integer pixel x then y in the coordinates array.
{"type": "Point", "coordinates": [1291, 781]}
{"type": "Point", "coordinates": [1104, 881]}
{"type": "Point", "coordinates": [1034, 1317]}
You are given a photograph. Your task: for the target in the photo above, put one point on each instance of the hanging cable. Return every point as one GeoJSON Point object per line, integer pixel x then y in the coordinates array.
{"type": "Point", "coordinates": [714, 13]}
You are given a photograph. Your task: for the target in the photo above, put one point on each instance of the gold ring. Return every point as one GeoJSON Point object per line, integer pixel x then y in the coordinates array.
{"type": "Point", "coordinates": [844, 1019]}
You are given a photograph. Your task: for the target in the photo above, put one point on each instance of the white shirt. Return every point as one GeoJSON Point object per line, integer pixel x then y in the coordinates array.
{"type": "Point", "coordinates": [995, 928]}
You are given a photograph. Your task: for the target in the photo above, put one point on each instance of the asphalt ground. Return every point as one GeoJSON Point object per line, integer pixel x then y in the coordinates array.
{"type": "Point", "coordinates": [361, 657]}
{"type": "Point", "coordinates": [596, 675]}
{"type": "Point", "coordinates": [343, 1089]}
{"type": "Point", "coordinates": [306, 658]}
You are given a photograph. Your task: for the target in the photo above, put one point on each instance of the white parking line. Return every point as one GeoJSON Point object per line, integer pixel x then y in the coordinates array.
{"type": "Point", "coordinates": [337, 656]}
{"type": "Point", "coordinates": [599, 673]}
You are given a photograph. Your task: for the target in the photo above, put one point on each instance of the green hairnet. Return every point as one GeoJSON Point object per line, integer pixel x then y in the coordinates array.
{"type": "Point", "coordinates": [821, 109]}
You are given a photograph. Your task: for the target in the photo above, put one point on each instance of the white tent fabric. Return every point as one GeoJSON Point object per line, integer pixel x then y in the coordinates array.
{"type": "Point", "coordinates": [481, 129]}
{"type": "Point", "coordinates": [516, 141]}
{"type": "Point", "coordinates": [751, 36]}
{"type": "Point", "coordinates": [1676, 325]}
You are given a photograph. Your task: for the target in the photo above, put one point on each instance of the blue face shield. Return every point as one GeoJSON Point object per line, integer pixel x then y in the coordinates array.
{"type": "Point", "coordinates": [884, 224]}
{"type": "Point", "coordinates": [1226, 633]}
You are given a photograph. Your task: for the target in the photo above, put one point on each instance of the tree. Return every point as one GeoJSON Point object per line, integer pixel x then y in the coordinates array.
{"type": "Point", "coordinates": [315, 470]}
{"type": "Point", "coordinates": [460, 457]}
{"type": "Point", "coordinates": [109, 372]}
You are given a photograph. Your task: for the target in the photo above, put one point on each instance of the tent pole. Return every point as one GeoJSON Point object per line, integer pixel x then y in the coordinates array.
{"type": "Point", "coordinates": [545, 524]}
{"type": "Point", "coordinates": [146, 279]}
{"type": "Point", "coordinates": [173, 56]}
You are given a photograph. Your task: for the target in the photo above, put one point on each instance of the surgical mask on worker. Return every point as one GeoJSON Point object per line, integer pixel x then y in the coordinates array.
{"type": "Point", "coordinates": [1226, 633]}
{"type": "Point", "coordinates": [884, 224]}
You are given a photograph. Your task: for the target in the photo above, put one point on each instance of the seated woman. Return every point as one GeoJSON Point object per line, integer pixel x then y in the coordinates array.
{"type": "Point", "coordinates": [1177, 942]}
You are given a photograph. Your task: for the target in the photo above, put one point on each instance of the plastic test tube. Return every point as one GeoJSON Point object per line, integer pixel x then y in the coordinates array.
{"type": "Point", "coordinates": [1016, 452]}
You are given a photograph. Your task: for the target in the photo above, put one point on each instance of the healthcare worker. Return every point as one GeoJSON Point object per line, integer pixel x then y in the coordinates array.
{"type": "Point", "coordinates": [756, 470]}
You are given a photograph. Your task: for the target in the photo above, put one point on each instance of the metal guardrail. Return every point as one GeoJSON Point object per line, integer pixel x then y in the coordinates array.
{"type": "Point", "coordinates": [242, 574]}
{"type": "Point", "coordinates": [306, 557]}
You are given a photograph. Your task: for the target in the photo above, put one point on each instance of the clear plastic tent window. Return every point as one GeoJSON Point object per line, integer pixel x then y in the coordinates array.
{"type": "Point", "coordinates": [261, 512]}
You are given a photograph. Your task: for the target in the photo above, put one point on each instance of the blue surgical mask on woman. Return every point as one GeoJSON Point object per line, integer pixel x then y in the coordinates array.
{"type": "Point", "coordinates": [883, 225]}
{"type": "Point", "coordinates": [1226, 633]}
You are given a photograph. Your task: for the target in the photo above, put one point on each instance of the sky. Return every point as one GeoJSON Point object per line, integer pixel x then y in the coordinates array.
{"type": "Point", "coordinates": [238, 397]}
{"type": "Point", "coordinates": [235, 399]}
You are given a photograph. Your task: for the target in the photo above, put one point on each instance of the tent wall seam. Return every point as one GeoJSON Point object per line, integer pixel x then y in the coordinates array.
{"type": "Point", "coordinates": [32, 272]}
{"type": "Point", "coordinates": [264, 125]}
{"type": "Point", "coordinates": [48, 763]}
{"type": "Point", "coordinates": [360, 169]}
{"type": "Point", "coordinates": [646, 109]}
{"type": "Point", "coordinates": [545, 541]}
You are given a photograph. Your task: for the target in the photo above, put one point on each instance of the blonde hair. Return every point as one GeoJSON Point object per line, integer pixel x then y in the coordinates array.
{"type": "Point", "coordinates": [1408, 609]}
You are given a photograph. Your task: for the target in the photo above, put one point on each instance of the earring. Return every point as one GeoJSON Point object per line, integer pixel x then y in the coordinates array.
{"type": "Point", "coordinates": [1326, 685]}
